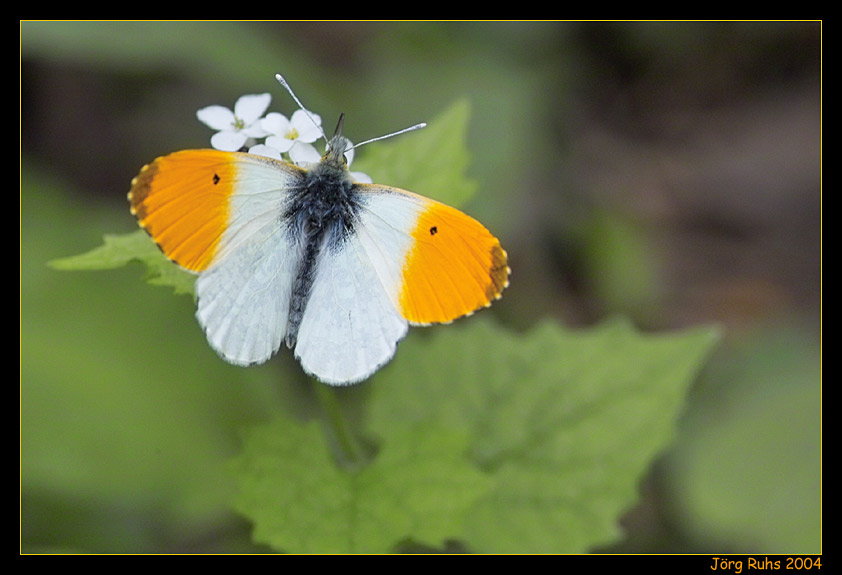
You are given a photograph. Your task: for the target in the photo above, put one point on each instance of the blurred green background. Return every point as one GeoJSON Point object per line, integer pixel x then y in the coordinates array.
{"type": "Point", "coordinates": [668, 172]}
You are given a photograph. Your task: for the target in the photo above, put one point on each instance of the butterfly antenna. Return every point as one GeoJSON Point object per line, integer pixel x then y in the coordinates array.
{"type": "Point", "coordinates": [284, 83]}
{"type": "Point", "coordinates": [409, 129]}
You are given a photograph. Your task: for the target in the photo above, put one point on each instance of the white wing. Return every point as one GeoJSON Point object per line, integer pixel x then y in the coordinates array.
{"type": "Point", "coordinates": [351, 325]}
{"type": "Point", "coordinates": [243, 297]}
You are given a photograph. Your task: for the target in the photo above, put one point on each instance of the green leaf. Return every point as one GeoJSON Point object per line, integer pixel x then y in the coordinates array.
{"type": "Point", "coordinates": [750, 476]}
{"type": "Point", "coordinates": [567, 423]}
{"type": "Point", "coordinates": [431, 162]}
{"type": "Point", "coordinates": [118, 251]}
{"type": "Point", "coordinates": [418, 488]}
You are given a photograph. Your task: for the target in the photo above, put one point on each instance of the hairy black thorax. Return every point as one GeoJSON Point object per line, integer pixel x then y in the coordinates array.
{"type": "Point", "coordinates": [320, 217]}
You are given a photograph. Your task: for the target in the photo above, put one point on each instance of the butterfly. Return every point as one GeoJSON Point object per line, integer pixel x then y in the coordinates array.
{"type": "Point", "coordinates": [334, 269]}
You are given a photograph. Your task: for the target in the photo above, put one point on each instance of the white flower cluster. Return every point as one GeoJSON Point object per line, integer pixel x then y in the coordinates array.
{"type": "Point", "coordinates": [283, 138]}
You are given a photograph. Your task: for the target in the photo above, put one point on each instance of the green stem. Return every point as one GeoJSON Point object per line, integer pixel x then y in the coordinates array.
{"type": "Point", "coordinates": [351, 453]}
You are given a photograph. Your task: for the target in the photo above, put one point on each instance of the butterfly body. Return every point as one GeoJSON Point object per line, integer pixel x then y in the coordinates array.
{"type": "Point", "coordinates": [321, 215]}
{"type": "Point", "coordinates": [335, 269]}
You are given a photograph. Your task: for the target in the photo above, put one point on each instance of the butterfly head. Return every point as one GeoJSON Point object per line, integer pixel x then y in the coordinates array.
{"type": "Point", "coordinates": [337, 146]}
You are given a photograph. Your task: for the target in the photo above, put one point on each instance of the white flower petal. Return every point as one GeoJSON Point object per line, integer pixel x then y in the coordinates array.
{"type": "Point", "coordinates": [303, 154]}
{"type": "Point", "coordinates": [279, 143]}
{"type": "Point", "coordinates": [255, 131]}
{"type": "Point", "coordinates": [264, 150]}
{"type": "Point", "coordinates": [361, 178]}
{"type": "Point", "coordinates": [216, 117]}
{"type": "Point", "coordinates": [307, 125]}
{"type": "Point", "coordinates": [302, 118]}
{"type": "Point", "coordinates": [309, 133]}
{"type": "Point", "coordinates": [275, 123]}
{"type": "Point", "coordinates": [250, 107]}
{"type": "Point", "coordinates": [228, 141]}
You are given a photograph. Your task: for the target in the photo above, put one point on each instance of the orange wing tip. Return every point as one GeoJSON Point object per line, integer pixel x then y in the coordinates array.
{"type": "Point", "coordinates": [182, 202]}
{"type": "Point", "coordinates": [455, 268]}
{"type": "Point", "coordinates": [500, 271]}
{"type": "Point", "coordinates": [139, 191]}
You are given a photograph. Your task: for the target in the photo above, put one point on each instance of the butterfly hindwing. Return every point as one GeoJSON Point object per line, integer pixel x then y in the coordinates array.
{"type": "Point", "coordinates": [350, 326]}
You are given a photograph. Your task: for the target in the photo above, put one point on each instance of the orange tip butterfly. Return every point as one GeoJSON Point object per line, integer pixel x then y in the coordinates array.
{"type": "Point", "coordinates": [335, 269]}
